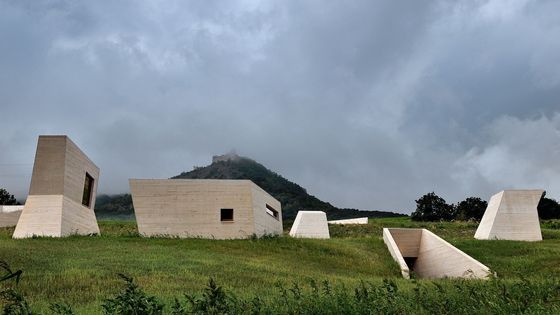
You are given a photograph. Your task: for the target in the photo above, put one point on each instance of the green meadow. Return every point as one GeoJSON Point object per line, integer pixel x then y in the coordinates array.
{"type": "Point", "coordinates": [82, 271]}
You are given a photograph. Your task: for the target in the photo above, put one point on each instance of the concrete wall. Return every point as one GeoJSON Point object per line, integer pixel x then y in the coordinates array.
{"type": "Point", "coordinates": [54, 204]}
{"type": "Point", "coordinates": [435, 258]}
{"type": "Point", "coordinates": [191, 208]}
{"type": "Point", "coordinates": [395, 252]}
{"type": "Point", "coordinates": [77, 164]}
{"type": "Point", "coordinates": [408, 241]}
{"type": "Point", "coordinates": [350, 221]}
{"type": "Point", "coordinates": [310, 224]}
{"type": "Point", "coordinates": [265, 223]}
{"type": "Point", "coordinates": [9, 215]}
{"type": "Point", "coordinates": [511, 215]}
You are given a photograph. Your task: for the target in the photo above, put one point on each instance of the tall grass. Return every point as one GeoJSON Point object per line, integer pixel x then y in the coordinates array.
{"type": "Point", "coordinates": [79, 273]}
{"type": "Point", "coordinates": [387, 297]}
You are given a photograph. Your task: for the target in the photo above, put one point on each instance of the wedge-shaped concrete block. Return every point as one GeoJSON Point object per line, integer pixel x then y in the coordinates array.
{"type": "Point", "coordinates": [310, 224]}
{"type": "Point", "coordinates": [207, 208]}
{"type": "Point", "coordinates": [62, 192]}
{"type": "Point", "coordinates": [429, 256]}
{"type": "Point", "coordinates": [511, 215]}
{"type": "Point", "coordinates": [350, 221]}
{"type": "Point", "coordinates": [9, 215]}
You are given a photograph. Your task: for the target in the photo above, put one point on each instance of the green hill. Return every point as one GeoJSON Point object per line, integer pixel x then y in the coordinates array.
{"type": "Point", "coordinates": [292, 196]}
{"type": "Point", "coordinates": [231, 166]}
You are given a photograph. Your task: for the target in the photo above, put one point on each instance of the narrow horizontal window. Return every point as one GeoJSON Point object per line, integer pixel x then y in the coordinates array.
{"type": "Point", "coordinates": [272, 212]}
{"type": "Point", "coordinates": [226, 214]}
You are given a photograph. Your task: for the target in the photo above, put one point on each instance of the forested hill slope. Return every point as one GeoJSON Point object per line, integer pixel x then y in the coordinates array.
{"type": "Point", "coordinates": [292, 196]}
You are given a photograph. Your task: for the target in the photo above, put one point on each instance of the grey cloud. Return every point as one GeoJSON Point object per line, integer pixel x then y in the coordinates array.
{"type": "Point", "coordinates": [366, 104]}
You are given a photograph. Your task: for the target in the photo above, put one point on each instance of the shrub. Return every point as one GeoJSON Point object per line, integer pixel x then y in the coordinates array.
{"type": "Point", "coordinates": [471, 208]}
{"type": "Point", "coordinates": [132, 301]}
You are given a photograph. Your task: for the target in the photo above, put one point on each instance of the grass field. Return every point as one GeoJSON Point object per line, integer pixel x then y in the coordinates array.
{"type": "Point", "coordinates": [82, 271]}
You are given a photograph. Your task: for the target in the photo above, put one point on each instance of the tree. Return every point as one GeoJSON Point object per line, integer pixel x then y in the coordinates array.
{"type": "Point", "coordinates": [548, 208]}
{"type": "Point", "coordinates": [6, 198]}
{"type": "Point", "coordinates": [471, 208]}
{"type": "Point", "coordinates": [432, 207]}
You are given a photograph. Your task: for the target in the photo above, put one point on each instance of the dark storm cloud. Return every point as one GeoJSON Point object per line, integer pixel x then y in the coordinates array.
{"type": "Point", "coordinates": [368, 104]}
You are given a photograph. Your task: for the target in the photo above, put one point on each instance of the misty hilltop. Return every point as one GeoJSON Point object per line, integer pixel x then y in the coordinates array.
{"type": "Point", "coordinates": [292, 196]}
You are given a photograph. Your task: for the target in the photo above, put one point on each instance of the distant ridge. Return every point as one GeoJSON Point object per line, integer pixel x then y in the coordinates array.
{"type": "Point", "coordinates": [292, 196]}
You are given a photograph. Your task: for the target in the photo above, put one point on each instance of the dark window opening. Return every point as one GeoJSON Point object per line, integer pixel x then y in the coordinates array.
{"type": "Point", "coordinates": [410, 262]}
{"type": "Point", "coordinates": [88, 191]}
{"type": "Point", "coordinates": [226, 215]}
{"type": "Point", "coordinates": [272, 212]}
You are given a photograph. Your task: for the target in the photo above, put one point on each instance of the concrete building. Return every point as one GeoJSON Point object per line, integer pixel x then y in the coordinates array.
{"type": "Point", "coordinates": [429, 256]}
{"type": "Point", "coordinates": [9, 215]}
{"type": "Point", "coordinates": [62, 192]}
{"type": "Point", "coordinates": [208, 208]}
{"type": "Point", "coordinates": [310, 224]}
{"type": "Point", "coordinates": [511, 215]}
{"type": "Point", "coordinates": [350, 221]}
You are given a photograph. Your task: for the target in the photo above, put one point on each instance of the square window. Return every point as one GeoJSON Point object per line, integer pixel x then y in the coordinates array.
{"type": "Point", "coordinates": [88, 191]}
{"type": "Point", "coordinates": [226, 214]}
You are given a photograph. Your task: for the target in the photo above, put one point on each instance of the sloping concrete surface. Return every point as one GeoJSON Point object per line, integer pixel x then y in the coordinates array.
{"type": "Point", "coordinates": [511, 215]}
{"type": "Point", "coordinates": [431, 256]}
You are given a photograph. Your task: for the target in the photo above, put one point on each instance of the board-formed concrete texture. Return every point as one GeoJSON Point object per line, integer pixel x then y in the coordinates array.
{"type": "Point", "coordinates": [207, 208]}
{"type": "Point", "coordinates": [310, 224]}
{"type": "Point", "coordinates": [429, 256]}
{"type": "Point", "coordinates": [62, 192]}
{"type": "Point", "coordinates": [350, 221]}
{"type": "Point", "coordinates": [511, 215]}
{"type": "Point", "coordinates": [9, 215]}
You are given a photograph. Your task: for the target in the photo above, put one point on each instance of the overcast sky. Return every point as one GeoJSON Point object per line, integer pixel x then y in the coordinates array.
{"type": "Point", "coordinates": [367, 104]}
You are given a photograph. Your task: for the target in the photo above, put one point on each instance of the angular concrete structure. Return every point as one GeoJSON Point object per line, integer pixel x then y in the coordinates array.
{"type": "Point", "coordinates": [9, 215]}
{"type": "Point", "coordinates": [62, 192]}
{"type": "Point", "coordinates": [350, 221]}
{"type": "Point", "coordinates": [207, 208]}
{"type": "Point", "coordinates": [429, 256]}
{"type": "Point", "coordinates": [310, 224]}
{"type": "Point", "coordinates": [511, 215]}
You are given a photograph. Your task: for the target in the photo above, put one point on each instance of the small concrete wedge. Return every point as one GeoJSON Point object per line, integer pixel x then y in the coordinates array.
{"type": "Point", "coordinates": [310, 224]}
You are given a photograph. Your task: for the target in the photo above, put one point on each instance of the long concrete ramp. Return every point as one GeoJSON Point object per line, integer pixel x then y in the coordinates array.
{"type": "Point", "coordinates": [363, 220]}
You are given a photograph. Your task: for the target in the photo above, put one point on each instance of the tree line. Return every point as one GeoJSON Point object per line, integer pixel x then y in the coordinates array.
{"type": "Point", "coordinates": [431, 207]}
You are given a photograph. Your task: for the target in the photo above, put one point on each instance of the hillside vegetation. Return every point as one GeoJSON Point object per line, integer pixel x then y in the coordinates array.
{"type": "Point", "coordinates": [292, 196]}
{"type": "Point", "coordinates": [82, 271]}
